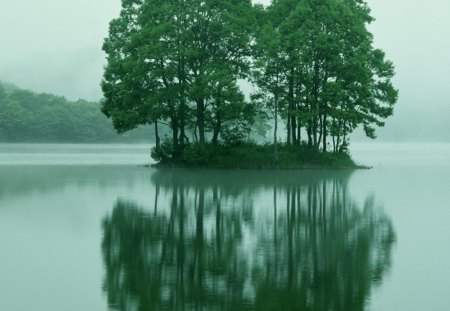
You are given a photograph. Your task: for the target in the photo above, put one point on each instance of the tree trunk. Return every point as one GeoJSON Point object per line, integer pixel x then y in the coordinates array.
{"type": "Point", "coordinates": [333, 138]}
{"type": "Point", "coordinates": [289, 128]}
{"type": "Point", "coordinates": [320, 132]}
{"type": "Point", "coordinates": [195, 133]}
{"type": "Point", "coordinates": [217, 128]}
{"type": "Point", "coordinates": [324, 130]}
{"type": "Point", "coordinates": [182, 123]}
{"type": "Point", "coordinates": [201, 120]}
{"type": "Point", "coordinates": [316, 104]}
{"type": "Point", "coordinates": [291, 105]}
{"type": "Point", "coordinates": [309, 133]}
{"type": "Point", "coordinates": [275, 129]}
{"type": "Point", "coordinates": [158, 141]}
{"type": "Point", "coordinates": [294, 130]}
{"type": "Point", "coordinates": [174, 126]}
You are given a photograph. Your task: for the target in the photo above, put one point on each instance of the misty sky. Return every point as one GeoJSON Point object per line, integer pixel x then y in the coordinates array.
{"type": "Point", "coordinates": [55, 46]}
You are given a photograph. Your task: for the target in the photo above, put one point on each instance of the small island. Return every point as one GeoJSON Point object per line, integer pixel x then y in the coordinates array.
{"type": "Point", "coordinates": [255, 156]}
{"type": "Point", "coordinates": [220, 77]}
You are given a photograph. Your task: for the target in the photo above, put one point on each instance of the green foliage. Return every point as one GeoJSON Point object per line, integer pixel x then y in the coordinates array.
{"type": "Point", "coordinates": [178, 62]}
{"type": "Point", "coordinates": [234, 135]}
{"type": "Point", "coordinates": [313, 64]}
{"type": "Point", "coordinates": [198, 154]}
{"type": "Point", "coordinates": [164, 151]}
{"type": "Point", "coordinates": [255, 156]}
{"type": "Point", "coordinates": [29, 117]}
{"type": "Point", "coordinates": [315, 60]}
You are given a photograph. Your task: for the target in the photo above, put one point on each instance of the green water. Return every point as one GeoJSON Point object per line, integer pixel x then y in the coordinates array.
{"type": "Point", "coordinates": [97, 231]}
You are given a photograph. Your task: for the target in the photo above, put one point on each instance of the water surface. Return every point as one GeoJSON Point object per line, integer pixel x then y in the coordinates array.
{"type": "Point", "coordinates": [95, 234]}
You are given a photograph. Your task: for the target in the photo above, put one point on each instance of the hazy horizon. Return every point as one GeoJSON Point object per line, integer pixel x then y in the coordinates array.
{"type": "Point", "coordinates": [54, 46]}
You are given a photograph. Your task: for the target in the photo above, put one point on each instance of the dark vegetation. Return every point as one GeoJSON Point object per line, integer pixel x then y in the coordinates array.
{"type": "Point", "coordinates": [255, 156]}
{"type": "Point", "coordinates": [316, 77]}
{"type": "Point", "coordinates": [29, 117]}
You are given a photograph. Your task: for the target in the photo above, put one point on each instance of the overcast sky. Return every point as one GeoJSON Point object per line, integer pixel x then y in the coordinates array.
{"type": "Point", "coordinates": [55, 46]}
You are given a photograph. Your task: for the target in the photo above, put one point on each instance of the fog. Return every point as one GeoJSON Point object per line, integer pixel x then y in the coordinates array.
{"type": "Point", "coordinates": [55, 46]}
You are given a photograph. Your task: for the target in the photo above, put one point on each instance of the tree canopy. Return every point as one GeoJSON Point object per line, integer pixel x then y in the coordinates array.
{"type": "Point", "coordinates": [312, 65]}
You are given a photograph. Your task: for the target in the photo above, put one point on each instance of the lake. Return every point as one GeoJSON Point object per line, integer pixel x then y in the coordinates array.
{"type": "Point", "coordinates": [88, 227]}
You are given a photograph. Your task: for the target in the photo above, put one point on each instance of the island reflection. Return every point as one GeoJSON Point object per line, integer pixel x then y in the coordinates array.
{"type": "Point", "coordinates": [245, 241]}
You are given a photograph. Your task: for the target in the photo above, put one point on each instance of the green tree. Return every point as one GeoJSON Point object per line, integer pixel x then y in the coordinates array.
{"type": "Point", "coordinates": [127, 99]}
{"type": "Point", "coordinates": [177, 62]}
{"type": "Point", "coordinates": [220, 51]}
{"type": "Point", "coordinates": [333, 78]}
{"type": "Point", "coordinates": [313, 62]}
{"type": "Point", "coordinates": [269, 75]}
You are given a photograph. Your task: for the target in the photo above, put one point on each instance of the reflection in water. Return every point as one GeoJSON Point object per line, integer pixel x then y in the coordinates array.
{"type": "Point", "coordinates": [245, 243]}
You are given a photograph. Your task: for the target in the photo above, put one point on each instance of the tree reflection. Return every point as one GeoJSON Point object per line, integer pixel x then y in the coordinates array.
{"type": "Point", "coordinates": [272, 244]}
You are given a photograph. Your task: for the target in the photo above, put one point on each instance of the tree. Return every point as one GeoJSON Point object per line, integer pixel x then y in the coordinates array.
{"type": "Point", "coordinates": [127, 99]}
{"type": "Point", "coordinates": [334, 80]}
{"type": "Point", "coordinates": [269, 75]}
{"type": "Point", "coordinates": [177, 62]}
{"type": "Point", "coordinates": [220, 51]}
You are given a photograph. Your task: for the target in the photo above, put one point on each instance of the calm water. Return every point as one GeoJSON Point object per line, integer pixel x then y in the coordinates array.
{"type": "Point", "coordinates": [86, 227]}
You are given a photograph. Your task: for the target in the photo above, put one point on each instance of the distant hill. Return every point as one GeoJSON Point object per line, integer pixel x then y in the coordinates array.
{"type": "Point", "coordinates": [26, 116]}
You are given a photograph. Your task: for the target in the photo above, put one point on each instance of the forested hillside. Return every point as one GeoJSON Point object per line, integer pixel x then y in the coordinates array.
{"type": "Point", "coordinates": [26, 116]}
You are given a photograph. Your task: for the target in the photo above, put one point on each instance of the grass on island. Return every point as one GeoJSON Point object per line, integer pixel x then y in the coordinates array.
{"type": "Point", "coordinates": [254, 156]}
